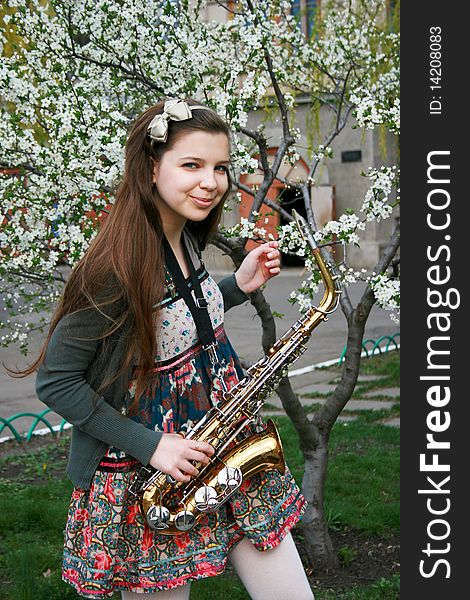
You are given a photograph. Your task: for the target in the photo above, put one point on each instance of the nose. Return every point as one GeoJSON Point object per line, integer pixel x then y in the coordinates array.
{"type": "Point", "coordinates": [208, 181]}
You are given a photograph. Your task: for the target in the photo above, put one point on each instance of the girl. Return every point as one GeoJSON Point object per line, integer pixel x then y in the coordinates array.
{"type": "Point", "coordinates": [123, 363]}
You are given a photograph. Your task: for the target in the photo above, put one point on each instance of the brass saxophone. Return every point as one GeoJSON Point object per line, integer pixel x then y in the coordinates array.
{"type": "Point", "coordinates": [171, 507]}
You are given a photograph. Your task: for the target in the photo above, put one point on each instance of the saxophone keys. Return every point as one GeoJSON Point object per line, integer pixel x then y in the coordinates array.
{"type": "Point", "coordinates": [184, 520]}
{"type": "Point", "coordinates": [158, 517]}
{"type": "Point", "coordinates": [233, 484]}
{"type": "Point", "coordinates": [206, 499]}
{"type": "Point", "coordinates": [230, 477]}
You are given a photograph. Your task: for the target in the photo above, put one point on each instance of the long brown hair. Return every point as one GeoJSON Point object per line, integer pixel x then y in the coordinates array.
{"type": "Point", "coordinates": [127, 249]}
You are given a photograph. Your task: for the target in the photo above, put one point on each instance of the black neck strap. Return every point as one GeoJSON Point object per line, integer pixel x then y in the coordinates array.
{"type": "Point", "coordinates": [198, 308]}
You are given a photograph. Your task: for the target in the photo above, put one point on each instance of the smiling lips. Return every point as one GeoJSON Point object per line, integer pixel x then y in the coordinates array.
{"type": "Point", "coordinates": [204, 202]}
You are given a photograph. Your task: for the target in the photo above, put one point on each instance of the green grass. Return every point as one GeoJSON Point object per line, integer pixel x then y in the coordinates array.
{"type": "Point", "coordinates": [362, 487]}
{"type": "Point", "coordinates": [385, 365]}
{"type": "Point", "coordinates": [383, 589]}
{"type": "Point", "coordinates": [362, 492]}
{"type": "Point", "coordinates": [228, 587]}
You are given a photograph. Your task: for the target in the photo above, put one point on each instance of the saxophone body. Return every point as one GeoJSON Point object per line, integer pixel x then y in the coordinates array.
{"type": "Point", "coordinates": [243, 445]}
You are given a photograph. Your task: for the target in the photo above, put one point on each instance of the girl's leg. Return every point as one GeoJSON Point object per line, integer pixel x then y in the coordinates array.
{"type": "Point", "coordinates": [276, 574]}
{"type": "Point", "coordinates": [179, 593]}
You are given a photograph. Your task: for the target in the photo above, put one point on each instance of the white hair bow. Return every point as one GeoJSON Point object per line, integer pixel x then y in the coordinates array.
{"type": "Point", "coordinates": [173, 110]}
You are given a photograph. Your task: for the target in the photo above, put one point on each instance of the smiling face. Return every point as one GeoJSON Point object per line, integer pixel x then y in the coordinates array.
{"type": "Point", "coordinates": [191, 177]}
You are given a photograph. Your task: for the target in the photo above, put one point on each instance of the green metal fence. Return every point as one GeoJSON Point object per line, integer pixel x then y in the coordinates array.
{"type": "Point", "coordinates": [37, 418]}
{"type": "Point", "coordinates": [379, 346]}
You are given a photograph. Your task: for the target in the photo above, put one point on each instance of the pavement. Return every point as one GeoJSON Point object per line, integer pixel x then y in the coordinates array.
{"type": "Point", "coordinates": [322, 383]}
{"type": "Point", "coordinates": [244, 331]}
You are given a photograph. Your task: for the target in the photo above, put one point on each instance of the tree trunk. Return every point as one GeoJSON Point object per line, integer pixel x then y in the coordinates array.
{"type": "Point", "coordinates": [320, 551]}
{"type": "Point", "coordinates": [315, 526]}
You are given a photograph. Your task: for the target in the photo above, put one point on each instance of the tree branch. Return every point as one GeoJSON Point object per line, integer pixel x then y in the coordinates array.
{"type": "Point", "coordinates": [262, 144]}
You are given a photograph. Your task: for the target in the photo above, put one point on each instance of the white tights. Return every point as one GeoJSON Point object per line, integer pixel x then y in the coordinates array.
{"type": "Point", "coordinates": [270, 575]}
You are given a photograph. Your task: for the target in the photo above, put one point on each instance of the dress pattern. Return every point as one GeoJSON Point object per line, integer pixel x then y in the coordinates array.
{"type": "Point", "coordinates": [108, 545]}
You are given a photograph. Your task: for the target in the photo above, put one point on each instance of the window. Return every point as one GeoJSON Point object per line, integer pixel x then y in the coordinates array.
{"type": "Point", "coordinates": [305, 11]}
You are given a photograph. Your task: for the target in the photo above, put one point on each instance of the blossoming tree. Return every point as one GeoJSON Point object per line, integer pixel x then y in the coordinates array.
{"type": "Point", "coordinates": [75, 73]}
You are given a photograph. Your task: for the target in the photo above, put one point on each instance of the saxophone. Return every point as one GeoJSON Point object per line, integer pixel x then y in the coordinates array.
{"type": "Point", "coordinates": [171, 507]}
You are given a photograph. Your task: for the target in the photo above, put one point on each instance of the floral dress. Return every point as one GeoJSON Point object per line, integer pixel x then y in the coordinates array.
{"type": "Point", "coordinates": [108, 545]}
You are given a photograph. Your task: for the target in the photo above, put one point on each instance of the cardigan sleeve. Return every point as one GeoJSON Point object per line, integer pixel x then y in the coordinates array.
{"type": "Point", "coordinates": [232, 294]}
{"type": "Point", "coordinates": [62, 383]}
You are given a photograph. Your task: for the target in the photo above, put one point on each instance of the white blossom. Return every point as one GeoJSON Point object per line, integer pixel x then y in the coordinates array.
{"type": "Point", "coordinates": [387, 293]}
{"type": "Point", "coordinates": [87, 68]}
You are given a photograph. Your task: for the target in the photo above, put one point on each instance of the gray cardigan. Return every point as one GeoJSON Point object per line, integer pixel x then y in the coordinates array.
{"type": "Point", "coordinates": [75, 365]}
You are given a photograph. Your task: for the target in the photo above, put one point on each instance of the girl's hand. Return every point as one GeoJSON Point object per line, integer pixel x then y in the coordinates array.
{"type": "Point", "coordinates": [258, 266]}
{"type": "Point", "coordinates": [174, 453]}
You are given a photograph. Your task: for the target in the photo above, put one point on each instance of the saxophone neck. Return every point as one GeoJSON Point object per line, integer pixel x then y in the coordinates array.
{"type": "Point", "coordinates": [330, 299]}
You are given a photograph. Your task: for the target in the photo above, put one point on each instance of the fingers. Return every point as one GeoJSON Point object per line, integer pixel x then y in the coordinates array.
{"type": "Point", "coordinates": [270, 247]}
{"type": "Point", "coordinates": [194, 451]}
{"type": "Point", "coordinates": [200, 452]}
{"type": "Point", "coordinates": [185, 469]}
{"type": "Point", "coordinates": [273, 264]}
{"type": "Point", "coordinates": [273, 260]}
{"type": "Point", "coordinates": [180, 476]}
{"type": "Point", "coordinates": [197, 452]}
{"type": "Point", "coordinates": [198, 457]}
{"type": "Point", "coordinates": [202, 447]}
{"type": "Point", "coordinates": [265, 247]}
{"type": "Point", "coordinates": [271, 251]}
{"type": "Point", "coordinates": [272, 243]}
{"type": "Point", "coordinates": [175, 455]}
{"type": "Point", "coordinates": [188, 468]}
